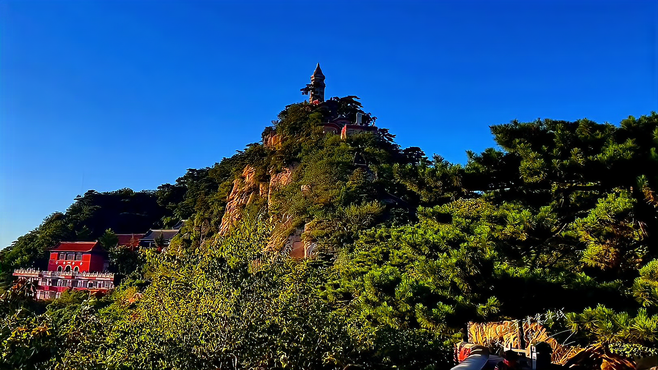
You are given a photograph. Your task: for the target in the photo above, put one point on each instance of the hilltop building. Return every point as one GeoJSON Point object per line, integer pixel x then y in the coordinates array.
{"type": "Point", "coordinates": [315, 90]}
{"type": "Point", "coordinates": [345, 126]}
{"type": "Point", "coordinates": [356, 127]}
{"type": "Point", "coordinates": [72, 265]}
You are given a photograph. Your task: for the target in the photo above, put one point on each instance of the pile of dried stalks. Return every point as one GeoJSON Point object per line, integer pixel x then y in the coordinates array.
{"type": "Point", "coordinates": [514, 334]}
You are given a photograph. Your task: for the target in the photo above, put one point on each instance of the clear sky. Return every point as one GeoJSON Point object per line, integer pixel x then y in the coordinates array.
{"type": "Point", "coordinates": [111, 94]}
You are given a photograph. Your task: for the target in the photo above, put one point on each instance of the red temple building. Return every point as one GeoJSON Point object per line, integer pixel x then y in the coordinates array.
{"type": "Point", "coordinates": [129, 240]}
{"type": "Point", "coordinates": [72, 265]}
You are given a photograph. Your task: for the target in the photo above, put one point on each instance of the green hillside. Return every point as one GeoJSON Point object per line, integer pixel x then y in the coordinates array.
{"type": "Point", "coordinates": [402, 251]}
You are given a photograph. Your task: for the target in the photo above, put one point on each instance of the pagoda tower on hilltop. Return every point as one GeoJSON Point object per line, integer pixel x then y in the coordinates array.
{"type": "Point", "coordinates": [341, 123]}
{"type": "Point", "coordinates": [315, 90]}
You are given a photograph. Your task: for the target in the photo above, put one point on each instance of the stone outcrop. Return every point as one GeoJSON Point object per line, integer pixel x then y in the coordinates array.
{"type": "Point", "coordinates": [279, 180]}
{"type": "Point", "coordinates": [272, 141]}
{"type": "Point", "coordinates": [280, 235]}
{"type": "Point", "coordinates": [292, 243]}
{"type": "Point", "coordinates": [281, 238]}
{"type": "Point", "coordinates": [310, 244]}
{"type": "Point", "coordinates": [245, 187]}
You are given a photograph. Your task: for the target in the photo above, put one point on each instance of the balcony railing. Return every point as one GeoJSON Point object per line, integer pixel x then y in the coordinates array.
{"type": "Point", "coordinates": [66, 274]}
{"type": "Point", "coordinates": [34, 272]}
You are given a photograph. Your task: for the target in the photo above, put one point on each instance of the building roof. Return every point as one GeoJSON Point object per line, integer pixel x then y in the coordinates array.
{"type": "Point", "coordinates": [167, 234]}
{"type": "Point", "coordinates": [341, 121]}
{"type": "Point", "coordinates": [361, 127]}
{"type": "Point", "coordinates": [76, 246]}
{"type": "Point", "coordinates": [318, 71]}
{"type": "Point", "coordinates": [129, 240]}
{"type": "Point", "coordinates": [180, 224]}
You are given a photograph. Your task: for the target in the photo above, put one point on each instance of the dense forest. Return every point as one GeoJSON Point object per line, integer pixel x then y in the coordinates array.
{"type": "Point", "coordinates": [406, 250]}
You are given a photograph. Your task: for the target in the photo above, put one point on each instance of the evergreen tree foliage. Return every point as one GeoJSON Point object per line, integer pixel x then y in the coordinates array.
{"type": "Point", "coordinates": [407, 250]}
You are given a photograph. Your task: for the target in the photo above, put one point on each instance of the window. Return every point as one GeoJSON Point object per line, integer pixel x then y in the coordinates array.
{"type": "Point", "coordinates": [74, 283]}
{"type": "Point", "coordinates": [76, 269]}
{"type": "Point", "coordinates": [67, 269]}
{"type": "Point", "coordinates": [59, 268]}
{"type": "Point", "coordinates": [90, 284]}
{"type": "Point", "coordinates": [62, 256]}
{"type": "Point", "coordinates": [78, 256]}
{"type": "Point", "coordinates": [70, 256]}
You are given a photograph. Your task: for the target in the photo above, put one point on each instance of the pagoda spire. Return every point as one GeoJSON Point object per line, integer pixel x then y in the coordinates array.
{"type": "Point", "coordinates": [317, 72]}
{"type": "Point", "coordinates": [315, 89]}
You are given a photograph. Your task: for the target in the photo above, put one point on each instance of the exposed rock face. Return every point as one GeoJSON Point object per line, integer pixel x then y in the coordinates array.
{"type": "Point", "coordinates": [310, 245]}
{"type": "Point", "coordinates": [294, 245]}
{"type": "Point", "coordinates": [281, 238]}
{"type": "Point", "coordinates": [284, 238]}
{"type": "Point", "coordinates": [280, 235]}
{"type": "Point", "coordinates": [263, 189]}
{"type": "Point", "coordinates": [272, 141]}
{"type": "Point", "coordinates": [279, 180]}
{"type": "Point", "coordinates": [244, 189]}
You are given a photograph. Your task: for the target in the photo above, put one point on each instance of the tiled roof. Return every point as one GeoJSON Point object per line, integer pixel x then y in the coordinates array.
{"type": "Point", "coordinates": [152, 235]}
{"type": "Point", "coordinates": [129, 240]}
{"type": "Point", "coordinates": [75, 246]}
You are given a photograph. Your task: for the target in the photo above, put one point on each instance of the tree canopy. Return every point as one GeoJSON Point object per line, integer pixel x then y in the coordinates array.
{"type": "Point", "coordinates": [406, 250]}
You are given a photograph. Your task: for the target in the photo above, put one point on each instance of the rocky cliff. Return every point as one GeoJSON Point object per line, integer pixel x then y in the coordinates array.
{"type": "Point", "coordinates": [247, 188]}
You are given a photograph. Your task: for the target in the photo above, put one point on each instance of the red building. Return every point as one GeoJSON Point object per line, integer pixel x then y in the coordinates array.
{"type": "Point", "coordinates": [355, 129]}
{"type": "Point", "coordinates": [72, 265]}
{"type": "Point", "coordinates": [129, 240]}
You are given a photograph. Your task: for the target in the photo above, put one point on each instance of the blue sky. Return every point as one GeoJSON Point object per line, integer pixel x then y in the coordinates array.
{"type": "Point", "coordinates": [111, 94]}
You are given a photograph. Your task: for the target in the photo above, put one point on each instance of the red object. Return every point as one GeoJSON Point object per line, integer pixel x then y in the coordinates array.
{"type": "Point", "coordinates": [463, 354]}
{"type": "Point", "coordinates": [77, 257]}
{"type": "Point", "coordinates": [129, 240]}
{"type": "Point", "coordinates": [72, 265]}
{"type": "Point", "coordinates": [75, 246]}
{"type": "Point", "coordinates": [354, 129]}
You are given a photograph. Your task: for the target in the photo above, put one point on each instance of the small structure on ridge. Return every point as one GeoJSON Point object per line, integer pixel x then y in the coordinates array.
{"type": "Point", "coordinates": [315, 90]}
{"type": "Point", "coordinates": [338, 124]}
